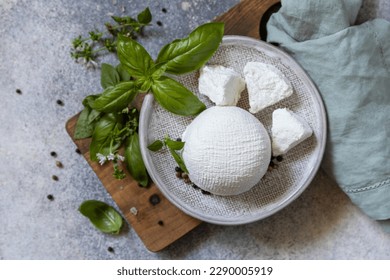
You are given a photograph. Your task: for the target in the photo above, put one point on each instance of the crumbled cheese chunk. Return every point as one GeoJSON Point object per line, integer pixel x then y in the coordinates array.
{"type": "Point", "coordinates": [288, 130]}
{"type": "Point", "coordinates": [221, 84]}
{"type": "Point", "coordinates": [227, 150]}
{"type": "Point", "coordinates": [266, 85]}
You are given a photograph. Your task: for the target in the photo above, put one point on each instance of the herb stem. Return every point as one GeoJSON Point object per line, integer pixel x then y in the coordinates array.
{"type": "Point", "coordinates": [98, 50]}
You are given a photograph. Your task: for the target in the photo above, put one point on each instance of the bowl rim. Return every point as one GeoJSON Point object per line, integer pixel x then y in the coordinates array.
{"type": "Point", "coordinates": [271, 51]}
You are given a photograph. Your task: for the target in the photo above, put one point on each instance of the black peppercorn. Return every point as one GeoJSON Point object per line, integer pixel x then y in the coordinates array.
{"type": "Point", "coordinates": [110, 249]}
{"type": "Point", "coordinates": [54, 177]}
{"type": "Point", "coordinates": [53, 154]}
{"type": "Point", "coordinates": [60, 102]}
{"type": "Point", "coordinates": [279, 158]}
{"type": "Point", "coordinates": [154, 199]}
{"type": "Point", "coordinates": [18, 91]}
{"type": "Point", "coordinates": [178, 169]}
{"type": "Point", "coordinates": [50, 197]}
{"type": "Point", "coordinates": [160, 223]}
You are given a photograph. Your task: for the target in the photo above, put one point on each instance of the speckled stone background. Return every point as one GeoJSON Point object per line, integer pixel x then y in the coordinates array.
{"type": "Point", "coordinates": [34, 57]}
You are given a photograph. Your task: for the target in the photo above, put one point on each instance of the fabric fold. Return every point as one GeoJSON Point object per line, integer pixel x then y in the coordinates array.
{"type": "Point", "coordinates": [350, 66]}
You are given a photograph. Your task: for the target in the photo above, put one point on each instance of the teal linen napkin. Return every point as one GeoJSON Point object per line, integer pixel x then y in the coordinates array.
{"type": "Point", "coordinates": [351, 67]}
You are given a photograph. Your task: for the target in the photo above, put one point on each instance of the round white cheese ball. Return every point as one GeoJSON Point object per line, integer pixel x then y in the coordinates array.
{"type": "Point", "coordinates": [227, 150]}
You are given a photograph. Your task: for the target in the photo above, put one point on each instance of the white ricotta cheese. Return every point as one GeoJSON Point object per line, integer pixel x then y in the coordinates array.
{"type": "Point", "coordinates": [227, 150]}
{"type": "Point", "coordinates": [288, 130]}
{"type": "Point", "coordinates": [266, 85]}
{"type": "Point", "coordinates": [222, 85]}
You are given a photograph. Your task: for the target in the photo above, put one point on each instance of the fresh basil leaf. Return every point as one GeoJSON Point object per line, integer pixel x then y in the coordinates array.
{"type": "Point", "coordinates": [145, 17]}
{"type": "Point", "coordinates": [84, 128]}
{"type": "Point", "coordinates": [124, 76]}
{"type": "Point", "coordinates": [87, 102]}
{"type": "Point", "coordinates": [133, 57]}
{"type": "Point", "coordinates": [179, 160]}
{"type": "Point", "coordinates": [103, 137]}
{"type": "Point", "coordinates": [175, 98]}
{"type": "Point", "coordinates": [156, 146]}
{"type": "Point", "coordinates": [109, 76]}
{"type": "Point", "coordinates": [174, 145]}
{"type": "Point", "coordinates": [134, 161]}
{"type": "Point", "coordinates": [115, 98]}
{"type": "Point", "coordinates": [93, 116]}
{"type": "Point", "coordinates": [191, 53]}
{"type": "Point", "coordinates": [102, 216]}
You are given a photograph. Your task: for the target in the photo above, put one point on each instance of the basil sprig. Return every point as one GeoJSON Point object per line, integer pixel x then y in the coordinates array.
{"type": "Point", "coordinates": [102, 216]}
{"type": "Point", "coordinates": [178, 57]}
{"type": "Point", "coordinates": [108, 117]}
{"type": "Point", "coordinates": [174, 147]}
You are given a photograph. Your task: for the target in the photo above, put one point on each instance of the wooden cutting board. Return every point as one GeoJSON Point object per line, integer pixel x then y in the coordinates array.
{"type": "Point", "coordinates": [160, 224]}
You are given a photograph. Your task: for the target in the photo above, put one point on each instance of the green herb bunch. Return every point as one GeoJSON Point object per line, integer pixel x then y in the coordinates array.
{"type": "Point", "coordinates": [107, 117]}
{"type": "Point", "coordinates": [87, 49]}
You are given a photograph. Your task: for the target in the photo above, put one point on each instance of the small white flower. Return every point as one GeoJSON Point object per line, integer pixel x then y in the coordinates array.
{"type": "Point", "coordinates": [110, 156]}
{"type": "Point", "coordinates": [121, 158]}
{"type": "Point", "coordinates": [102, 158]}
{"type": "Point", "coordinates": [91, 64]}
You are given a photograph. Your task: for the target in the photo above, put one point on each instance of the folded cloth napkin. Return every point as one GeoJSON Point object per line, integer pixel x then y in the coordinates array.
{"type": "Point", "coordinates": [351, 67]}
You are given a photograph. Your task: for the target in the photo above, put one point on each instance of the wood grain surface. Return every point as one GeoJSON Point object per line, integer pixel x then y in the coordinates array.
{"type": "Point", "coordinates": [161, 224]}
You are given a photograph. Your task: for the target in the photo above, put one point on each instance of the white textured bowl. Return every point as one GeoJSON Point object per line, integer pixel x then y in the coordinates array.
{"type": "Point", "coordinates": [278, 187]}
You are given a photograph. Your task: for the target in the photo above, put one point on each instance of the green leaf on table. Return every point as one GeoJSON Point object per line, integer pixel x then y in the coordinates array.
{"type": "Point", "coordinates": [103, 216]}
{"type": "Point", "coordinates": [191, 53]}
{"type": "Point", "coordinates": [87, 102]}
{"type": "Point", "coordinates": [104, 139]}
{"type": "Point", "coordinates": [175, 98]}
{"type": "Point", "coordinates": [156, 146]}
{"type": "Point", "coordinates": [134, 162]}
{"type": "Point", "coordinates": [133, 57]}
{"type": "Point", "coordinates": [145, 17]}
{"type": "Point", "coordinates": [115, 98]}
{"type": "Point", "coordinates": [87, 118]}
{"type": "Point", "coordinates": [84, 128]}
{"type": "Point", "coordinates": [109, 76]}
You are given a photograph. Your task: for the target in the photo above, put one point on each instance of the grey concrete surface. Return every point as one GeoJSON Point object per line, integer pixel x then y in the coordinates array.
{"type": "Point", "coordinates": [34, 57]}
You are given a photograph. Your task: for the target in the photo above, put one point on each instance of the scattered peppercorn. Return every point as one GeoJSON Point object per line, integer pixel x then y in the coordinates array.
{"type": "Point", "coordinates": [279, 158]}
{"type": "Point", "coordinates": [59, 164]}
{"type": "Point", "coordinates": [178, 139]}
{"type": "Point", "coordinates": [154, 199]}
{"type": "Point", "coordinates": [160, 223]}
{"type": "Point", "coordinates": [60, 102]}
{"type": "Point", "coordinates": [50, 197]}
{"type": "Point", "coordinates": [178, 169]}
{"type": "Point", "coordinates": [54, 177]}
{"type": "Point", "coordinates": [164, 10]}
{"type": "Point", "coordinates": [18, 91]}
{"type": "Point", "coordinates": [78, 151]}
{"type": "Point", "coordinates": [159, 23]}
{"type": "Point", "coordinates": [110, 249]}
{"type": "Point", "coordinates": [53, 154]}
